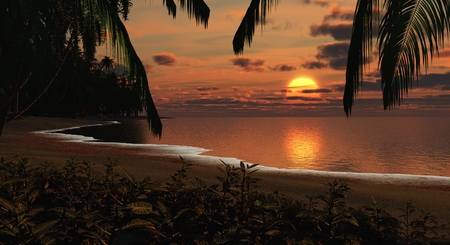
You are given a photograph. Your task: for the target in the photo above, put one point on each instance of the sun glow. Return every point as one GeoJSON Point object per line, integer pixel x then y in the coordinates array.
{"type": "Point", "coordinates": [302, 86]}
{"type": "Point", "coordinates": [302, 146]}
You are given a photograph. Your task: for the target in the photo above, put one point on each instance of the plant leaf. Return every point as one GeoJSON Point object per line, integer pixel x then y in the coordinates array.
{"type": "Point", "coordinates": [141, 208]}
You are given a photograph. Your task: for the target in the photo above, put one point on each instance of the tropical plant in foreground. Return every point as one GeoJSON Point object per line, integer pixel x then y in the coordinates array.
{"type": "Point", "coordinates": [377, 226]}
{"type": "Point", "coordinates": [82, 203]}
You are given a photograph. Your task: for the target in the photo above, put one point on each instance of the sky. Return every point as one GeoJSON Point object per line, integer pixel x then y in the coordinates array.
{"type": "Point", "coordinates": [193, 70]}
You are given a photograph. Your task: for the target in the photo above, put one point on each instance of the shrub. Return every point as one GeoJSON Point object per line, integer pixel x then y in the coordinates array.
{"type": "Point", "coordinates": [75, 204]}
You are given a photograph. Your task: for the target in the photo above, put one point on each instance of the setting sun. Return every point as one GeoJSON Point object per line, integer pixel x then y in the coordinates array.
{"type": "Point", "coordinates": [299, 85]}
{"type": "Point", "coordinates": [302, 83]}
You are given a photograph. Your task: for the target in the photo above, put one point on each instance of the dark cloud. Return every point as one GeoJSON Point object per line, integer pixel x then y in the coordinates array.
{"type": "Point", "coordinates": [338, 63]}
{"type": "Point", "coordinates": [303, 98]}
{"type": "Point", "coordinates": [332, 50]}
{"type": "Point", "coordinates": [164, 59]}
{"type": "Point", "coordinates": [285, 91]}
{"type": "Point", "coordinates": [281, 67]}
{"type": "Point", "coordinates": [444, 53]}
{"type": "Point", "coordinates": [439, 82]}
{"type": "Point", "coordinates": [334, 53]}
{"type": "Point", "coordinates": [436, 81]}
{"type": "Point", "coordinates": [314, 65]}
{"type": "Point", "coordinates": [319, 90]}
{"type": "Point", "coordinates": [248, 65]}
{"type": "Point", "coordinates": [365, 86]}
{"type": "Point", "coordinates": [273, 98]}
{"type": "Point", "coordinates": [280, 26]}
{"type": "Point", "coordinates": [371, 86]}
{"type": "Point", "coordinates": [322, 3]}
{"type": "Point", "coordinates": [290, 98]}
{"type": "Point", "coordinates": [220, 101]}
{"type": "Point", "coordinates": [339, 31]}
{"type": "Point", "coordinates": [207, 88]}
{"type": "Point", "coordinates": [337, 13]}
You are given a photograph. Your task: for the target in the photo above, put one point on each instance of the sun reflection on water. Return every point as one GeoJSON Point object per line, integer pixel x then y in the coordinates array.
{"type": "Point", "coordinates": [302, 147]}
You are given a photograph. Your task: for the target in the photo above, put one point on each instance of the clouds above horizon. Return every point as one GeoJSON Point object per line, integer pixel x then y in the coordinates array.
{"type": "Point", "coordinates": [338, 13]}
{"type": "Point", "coordinates": [332, 55]}
{"type": "Point", "coordinates": [207, 88]}
{"type": "Point", "coordinates": [164, 59]}
{"type": "Point", "coordinates": [313, 64]}
{"type": "Point", "coordinates": [194, 71]}
{"type": "Point", "coordinates": [248, 65]}
{"type": "Point", "coordinates": [282, 67]}
{"type": "Point", "coordinates": [321, 3]}
{"type": "Point", "coordinates": [339, 31]}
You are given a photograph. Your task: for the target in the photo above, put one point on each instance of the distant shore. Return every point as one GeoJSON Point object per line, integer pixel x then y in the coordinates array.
{"type": "Point", "coordinates": [18, 139]}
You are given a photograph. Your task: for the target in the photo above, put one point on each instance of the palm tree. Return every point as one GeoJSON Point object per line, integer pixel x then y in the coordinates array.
{"type": "Point", "coordinates": [410, 34]}
{"type": "Point", "coordinates": [107, 63]}
{"type": "Point", "coordinates": [36, 37]}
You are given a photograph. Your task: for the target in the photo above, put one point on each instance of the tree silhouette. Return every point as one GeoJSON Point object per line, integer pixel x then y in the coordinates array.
{"type": "Point", "coordinates": [410, 34]}
{"type": "Point", "coordinates": [107, 64]}
{"type": "Point", "coordinates": [37, 37]}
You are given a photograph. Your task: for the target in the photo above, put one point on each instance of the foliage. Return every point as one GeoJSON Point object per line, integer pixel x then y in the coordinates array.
{"type": "Point", "coordinates": [410, 34]}
{"type": "Point", "coordinates": [45, 44]}
{"type": "Point", "coordinates": [76, 204]}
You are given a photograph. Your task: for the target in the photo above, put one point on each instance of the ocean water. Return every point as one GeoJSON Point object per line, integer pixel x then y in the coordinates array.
{"type": "Point", "coordinates": [384, 145]}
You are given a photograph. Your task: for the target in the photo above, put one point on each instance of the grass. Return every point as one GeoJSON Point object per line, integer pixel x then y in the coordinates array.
{"type": "Point", "coordinates": [75, 204]}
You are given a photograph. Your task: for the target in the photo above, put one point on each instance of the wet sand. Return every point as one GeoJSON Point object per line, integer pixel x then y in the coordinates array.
{"type": "Point", "coordinates": [19, 138]}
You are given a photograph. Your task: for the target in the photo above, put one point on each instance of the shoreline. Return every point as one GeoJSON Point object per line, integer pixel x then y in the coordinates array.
{"type": "Point", "coordinates": [199, 156]}
{"type": "Point", "coordinates": [18, 139]}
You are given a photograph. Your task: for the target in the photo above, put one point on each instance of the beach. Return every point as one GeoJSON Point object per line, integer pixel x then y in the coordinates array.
{"type": "Point", "coordinates": [20, 138]}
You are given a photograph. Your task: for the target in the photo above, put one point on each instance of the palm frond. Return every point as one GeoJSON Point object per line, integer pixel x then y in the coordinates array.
{"type": "Point", "coordinates": [124, 51]}
{"type": "Point", "coordinates": [411, 33]}
{"type": "Point", "coordinates": [197, 9]}
{"type": "Point", "coordinates": [171, 7]}
{"type": "Point", "coordinates": [255, 15]}
{"type": "Point", "coordinates": [359, 51]}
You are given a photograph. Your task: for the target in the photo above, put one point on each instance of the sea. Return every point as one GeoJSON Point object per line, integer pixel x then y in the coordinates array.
{"type": "Point", "coordinates": [403, 146]}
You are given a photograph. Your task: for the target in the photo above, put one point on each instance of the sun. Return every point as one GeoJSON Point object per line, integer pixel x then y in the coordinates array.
{"type": "Point", "coordinates": [300, 87]}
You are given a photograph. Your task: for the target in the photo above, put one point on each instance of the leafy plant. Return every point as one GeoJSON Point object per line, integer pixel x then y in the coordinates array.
{"type": "Point", "coordinates": [77, 204]}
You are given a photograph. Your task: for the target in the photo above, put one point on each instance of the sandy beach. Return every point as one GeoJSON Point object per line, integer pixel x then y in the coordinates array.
{"type": "Point", "coordinates": [20, 138]}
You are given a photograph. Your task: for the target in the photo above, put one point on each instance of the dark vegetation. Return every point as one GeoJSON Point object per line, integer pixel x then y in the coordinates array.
{"type": "Point", "coordinates": [92, 88]}
{"type": "Point", "coordinates": [75, 204]}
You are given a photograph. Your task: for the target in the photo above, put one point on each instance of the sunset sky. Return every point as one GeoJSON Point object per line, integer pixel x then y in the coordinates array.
{"type": "Point", "coordinates": [193, 71]}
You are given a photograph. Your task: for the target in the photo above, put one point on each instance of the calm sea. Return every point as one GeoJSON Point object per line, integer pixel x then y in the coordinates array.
{"type": "Point", "coordinates": [413, 145]}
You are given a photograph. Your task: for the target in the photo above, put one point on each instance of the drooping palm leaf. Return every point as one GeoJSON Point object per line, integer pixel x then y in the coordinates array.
{"type": "Point", "coordinates": [195, 9]}
{"type": "Point", "coordinates": [410, 34]}
{"type": "Point", "coordinates": [125, 52]}
{"type": "Point", "coordinates": [358, 52]}
{"type": "Point", "coordinates": [255, 15]}
{"type": "Point", "coordinates": [171, 7]}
